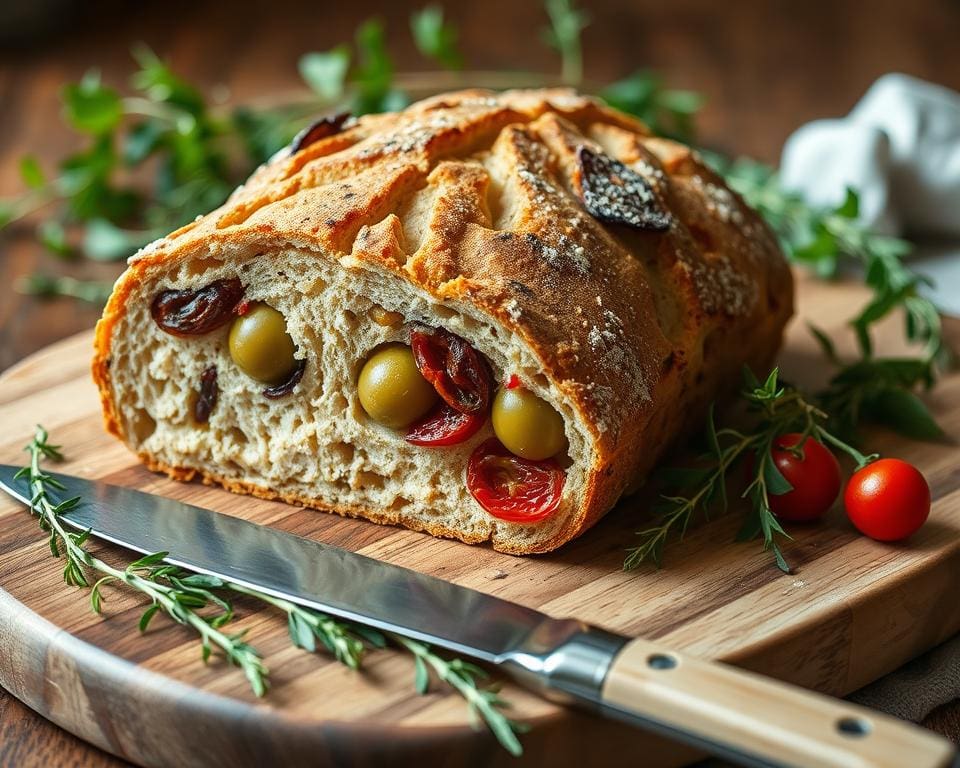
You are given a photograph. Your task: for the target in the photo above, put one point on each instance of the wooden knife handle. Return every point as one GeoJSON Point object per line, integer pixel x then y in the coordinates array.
{"type": "Point", "coordinates": [762, 721]}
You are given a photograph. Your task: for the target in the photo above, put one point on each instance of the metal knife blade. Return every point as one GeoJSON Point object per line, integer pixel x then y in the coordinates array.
{"type": "Point", "coordinates": [322, 576]}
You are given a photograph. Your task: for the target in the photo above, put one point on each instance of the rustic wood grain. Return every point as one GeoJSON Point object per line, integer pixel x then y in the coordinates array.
{"type": "Point", "coordinates": [853, 611]}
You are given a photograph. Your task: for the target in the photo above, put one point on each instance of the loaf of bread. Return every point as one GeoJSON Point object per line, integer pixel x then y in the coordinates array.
{"type": "Point", "coordinates": [484, 317]}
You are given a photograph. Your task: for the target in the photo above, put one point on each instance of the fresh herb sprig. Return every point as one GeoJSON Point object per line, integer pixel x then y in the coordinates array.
{"type": "Point", "coordinates": [821, 237]}
{"type": "Point", "coordinates": [666, 111]}
{"type": "Point", "coordinates": [181, 599]}
{"type": "Point", "coordinates": [198, 150]}
{"type": "Point", "coordinates": [197, 601]}
{"type": "Point", "coordinates": [567, 22]}
{"type": "Point", "coordinates": [436, 38]}
{"type": "Point", "coordinates": [774, 409]}
{"type": "Point", "coordinates": [485, 703]}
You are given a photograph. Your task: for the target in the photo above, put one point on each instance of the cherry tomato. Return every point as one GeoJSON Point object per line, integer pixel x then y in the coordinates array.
{"type": "Point", "coordinates": [511, 488]}
{"type": "Point", "coordinates": [887, 500]}
{"type": "Point", "coordinates": [454, 368]}
{"type": "Point", "coordinates": [815, 479]}
{"type": "Point", "coordinates": [444, 426]}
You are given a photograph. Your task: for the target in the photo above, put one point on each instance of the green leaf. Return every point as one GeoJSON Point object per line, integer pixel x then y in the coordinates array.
{"type": "Point", "coordinates": [682, 102]}
{"type": "Point", "coordinates": [54, 237]}
{"type": "Point", "coordinates": [435, 39]}
{"type": "Point", "coordinates": [31, 173]}
{"type": "Point", "coordinates": [773, 478]}
{"type": "Point", "coordinates": [159, 83]}
{"type": "Point", "coordinates": [374, 72]}
{"type": "Point", "coordinates": [903, 411]}
{"type": "Point", "coordinates": [421, 677]}
{"type": "Point", "coordinates": [850, 208]}
{"type": "Point", "coordinates": [666, 112]}
{"type": "Point", "coordinates": [262, 132]}
{"type": "Point", "coordinates": [147, 616]}
{"type": "Point", "coordinates": [147, 560]}
{"type": "Point", "coordinates": [781, 561]}
{"type": "Point", "coordinates": [770, 385]}
{"type": "Point", "coordinates": [372, 636]}
{"type": "Point", "coordinates": [826, 345]}
{"type": "Point", "coordinates": [202, 581]}
{"type": "Point", "coordinates": [301, 633]}
{"type": "Point", "coordinates": [566, 23]}
{"type": "Point", "coordinates": [326, 73]}
{"type": "Point", "coordinates": [712, 440]}
{"type": "Point", "coordinates": [7, 212]}
{"type": "Point", "coordinates": [103, 241]}
{"type": "Point", "coordinates": [141, 141]}
{"type": "Point", "coordinates": [91, 107]}
{"type": "Point", "coordinates": [50, 286]}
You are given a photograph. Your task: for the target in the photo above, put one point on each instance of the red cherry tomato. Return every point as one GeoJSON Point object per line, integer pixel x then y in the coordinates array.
{"type": "Point", "coordinates": [511, 488]}
{"type": "Point", "coordinates": [444, 426]}
{"type": "Point", "coordinates": [887, 500]}
{"type": "Point", "coordinates": [815, 479]}
{"type": "Point", "coordinates": [454, 368]}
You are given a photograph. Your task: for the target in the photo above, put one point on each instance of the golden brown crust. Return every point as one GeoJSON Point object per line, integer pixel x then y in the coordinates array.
{"type": "Point", "coordinates": [639, 329]}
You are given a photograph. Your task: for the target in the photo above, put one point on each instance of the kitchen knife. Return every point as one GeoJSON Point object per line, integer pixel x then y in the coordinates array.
{"type": "Point", "coordinates": [735, 714]}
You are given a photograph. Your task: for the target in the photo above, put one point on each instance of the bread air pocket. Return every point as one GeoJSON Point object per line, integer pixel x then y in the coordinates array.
{"type": "Point", "coordinates": [483, 317]}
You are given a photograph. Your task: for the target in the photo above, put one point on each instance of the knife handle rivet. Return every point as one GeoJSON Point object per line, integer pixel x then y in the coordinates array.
{"type": "Point", "coordinates": [661, 661]}
{"type": "Point", "coordinates": [854, 727]}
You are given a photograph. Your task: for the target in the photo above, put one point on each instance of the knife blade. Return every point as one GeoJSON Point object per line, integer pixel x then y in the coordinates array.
{"type": "Point", "coordinates": [564, 659]}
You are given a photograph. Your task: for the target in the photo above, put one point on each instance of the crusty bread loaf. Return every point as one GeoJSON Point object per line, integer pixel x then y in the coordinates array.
{"type": "Point", "coordinates": [466, 211]}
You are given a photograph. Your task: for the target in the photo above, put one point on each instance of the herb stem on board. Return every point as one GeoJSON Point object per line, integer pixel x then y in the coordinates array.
{"type": "Point", "coordinates": [347, 642]}
{"type": "Point", "coordinates": [461, 675]}
{"type": "Point", "coordinates": [181, 595]}
{"type": "Point", "coordinates": [776, 409]}
{"type": "Point", "coordinates": [180, 604]}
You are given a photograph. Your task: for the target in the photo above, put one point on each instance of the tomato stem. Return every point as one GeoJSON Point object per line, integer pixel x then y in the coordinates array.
{"type": "Point", "coordinates": [861, 459]}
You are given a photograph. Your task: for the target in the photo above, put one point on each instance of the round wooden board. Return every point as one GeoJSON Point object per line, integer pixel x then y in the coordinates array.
{"type": "Point", "coordinates": [853, 610]}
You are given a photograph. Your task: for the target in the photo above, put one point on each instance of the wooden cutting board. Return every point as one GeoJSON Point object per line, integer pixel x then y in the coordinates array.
{"type": "Point", "coordinates": [853, 610]}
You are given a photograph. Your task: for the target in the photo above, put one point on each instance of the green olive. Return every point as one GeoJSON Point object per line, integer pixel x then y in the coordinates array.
{"type": "Point", "coordinates": [392, 391]}
{"type": "Point", "coordinates": [261, 346]}
{"type": "Point", "coordinates": [526, 425]}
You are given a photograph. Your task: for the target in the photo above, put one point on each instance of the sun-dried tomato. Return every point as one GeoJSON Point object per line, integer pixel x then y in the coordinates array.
{"type": "Point", "coordinates": [328, 125]}
{"type": "Point", "coordinates": [511, 488]}
{"type": "Point", "coordinates": [444, 426]}
{"type": "Point", "coordinates": [455, 369]}
{"type": "Point", "coordinates": [194, 313]}
{"type": "Point", "coordinates": [279, 390]}
{"type": "Point", "coordinates": [614, 193]}
{"type": "Point", "coordinates": [207, 399]}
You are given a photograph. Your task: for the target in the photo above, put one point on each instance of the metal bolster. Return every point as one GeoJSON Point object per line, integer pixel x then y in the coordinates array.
{"type": "Point", "coordinates": [567, 661]}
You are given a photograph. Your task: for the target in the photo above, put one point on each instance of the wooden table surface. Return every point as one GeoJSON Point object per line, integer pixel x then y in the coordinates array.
{"type": "Point", "coordinates": [765, 66]}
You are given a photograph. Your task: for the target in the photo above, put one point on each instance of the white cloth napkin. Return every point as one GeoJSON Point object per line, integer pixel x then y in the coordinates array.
{"type": "Point", "coordinates": [900, 148]}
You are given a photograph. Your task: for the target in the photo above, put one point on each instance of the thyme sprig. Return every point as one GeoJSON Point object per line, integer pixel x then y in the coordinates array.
{"type": "Point", "coordinates": [776, 409]}
{"type": "Point", "coordinates": [197, 601]}
{"type": "Point", "coordinates": [485, 703]}
{"type": "Point", "coordinates": [181, 599]}
{"type": "Point", "coordinates": [347, 642]}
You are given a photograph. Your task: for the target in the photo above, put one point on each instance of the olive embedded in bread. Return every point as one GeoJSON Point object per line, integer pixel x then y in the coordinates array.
{"type": "Point", "coordinates": [526, 425]}
{"type": "Point", "coordinates": [392, 391]}
{"type": "Point", "coordinates": [261, 346]}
